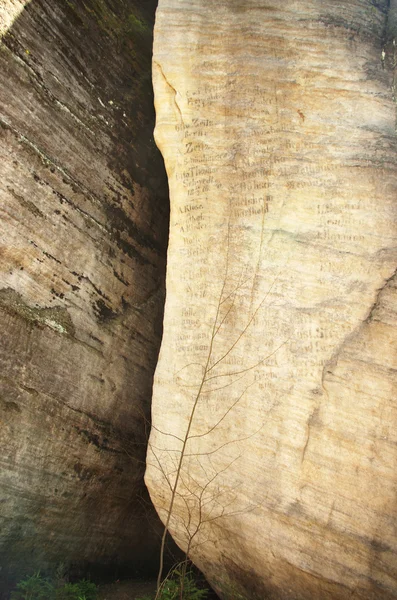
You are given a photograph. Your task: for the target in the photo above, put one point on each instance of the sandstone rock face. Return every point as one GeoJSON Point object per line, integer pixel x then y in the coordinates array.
{"type": "Point", "coordinates": [277, 371]}
{"type": "Point", "coordinates": [83, 238]}
{"type": "Point", "coordinates": [9, 11]}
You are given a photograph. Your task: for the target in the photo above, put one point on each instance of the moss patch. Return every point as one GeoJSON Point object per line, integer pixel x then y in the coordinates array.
{"type": "Point", "coordinates": [391, 26]}
{"type": "Point", "coordinates": [119, 24]}
{"type": "Point", "coordinates": [57, 318]}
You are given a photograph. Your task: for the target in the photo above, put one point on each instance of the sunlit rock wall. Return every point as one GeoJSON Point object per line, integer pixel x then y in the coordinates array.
{"type": "Point", "coordinates": [84, 226]}
{"type": "Point", "coordinates": [277, 372]}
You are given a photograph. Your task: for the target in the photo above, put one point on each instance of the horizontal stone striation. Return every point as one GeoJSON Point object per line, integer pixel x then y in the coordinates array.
{"type": "Point", "coordinates": [277, 124]}
{"type": "Point", "coordinates": [84, 223]}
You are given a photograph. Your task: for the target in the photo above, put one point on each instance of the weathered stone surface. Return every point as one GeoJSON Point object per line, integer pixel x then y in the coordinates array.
{"type": "Point", "coordinates": [83, 237]}
{"type": "Point", "coordinates": [277, 124]}
{"type": "Point", "coordinates": [9, 11]}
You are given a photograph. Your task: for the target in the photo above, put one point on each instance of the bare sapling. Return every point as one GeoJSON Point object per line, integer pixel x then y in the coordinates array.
{"type": "Point", "coordinates": [192, 466]}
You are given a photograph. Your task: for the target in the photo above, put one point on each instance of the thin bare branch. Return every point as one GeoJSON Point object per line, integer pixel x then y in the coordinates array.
{"type": "Point", "coordinates": [167, 434]}
{"type": "Point", "coordinates": [207, 503]}
{"type": "Point", "coordinates": [223, 416]}
{"type": "Point", "coordinates": [252, 366]}
{"type": "Point", "coordinates": [244, 331]}
{"type": "Point", "coordinates": [242, 439]}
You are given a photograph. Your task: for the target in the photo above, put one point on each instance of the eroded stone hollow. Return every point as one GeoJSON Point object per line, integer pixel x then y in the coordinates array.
{"type": "Point", "coordinates": [84, 225]}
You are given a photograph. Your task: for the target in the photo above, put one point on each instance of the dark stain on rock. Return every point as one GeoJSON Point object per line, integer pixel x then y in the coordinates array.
{"type": "Point", "coordinates": [103, 312]}
{"type": "Point", "coordinates": [120, 278]}
{"type": "Point", "coordinates": [379, 546]}
{"type": "Point", "coordinates": [28, 204]}
{"type": "Point", "coordinates": [246, 584]}
{"type": "Point", "coordinates": [121, 222]}
{"type": "Point", "coordinates": [9, 406]}
{"type": "Point", "coordinates": [57, 294]}
{"type": "Point", "coordinates": [83, 473]}
{"type": "Point", "coordinates": [95, 439]}
{"type": "Point", "coordinates": [48, 255]}
{"type": "Point", "coordinates": [129, 249]}
{"type": "Point", "coordinates": [96, 339]}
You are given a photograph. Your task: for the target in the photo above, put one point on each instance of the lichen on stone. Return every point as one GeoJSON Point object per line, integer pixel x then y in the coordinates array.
{"type": "Point", "coordinates": [57, 317]}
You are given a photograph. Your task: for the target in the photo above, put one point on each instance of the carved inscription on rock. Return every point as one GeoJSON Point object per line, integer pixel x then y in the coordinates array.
{"type": "Point", "coordinates": [281, 242]}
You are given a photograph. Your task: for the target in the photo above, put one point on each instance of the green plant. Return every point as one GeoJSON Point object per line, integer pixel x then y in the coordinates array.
{"type": "Point", "coordinates": [37, 587]}
{"type": "Point", "coordinates": [82, 590]}
{"type": "Point", "coordinates": [137, 26]}
{"type": "Point", "coordinates": [87, 589]}
{"type": "Point", "coordinates": [34, 587]}
{"type": "Point", "coordinates": [180, 584]}
{"type": "Point", "coordinates": [60, 574]}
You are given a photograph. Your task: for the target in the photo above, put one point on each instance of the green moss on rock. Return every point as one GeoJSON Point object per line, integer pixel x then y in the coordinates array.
{"type": "Point", "coordinates": [57, 318]}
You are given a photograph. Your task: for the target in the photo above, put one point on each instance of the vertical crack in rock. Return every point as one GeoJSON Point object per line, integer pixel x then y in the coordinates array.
{"type": "Point", "coordinates": [172, 88]}
{"type": "Point", "coordinates": [383, 287]}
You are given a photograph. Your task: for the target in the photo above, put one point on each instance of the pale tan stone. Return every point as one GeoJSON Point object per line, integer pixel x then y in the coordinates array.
{"type": "Point", "coordinates": [9, 11]}
{"type": "Point", "coordinates": [277, 125]}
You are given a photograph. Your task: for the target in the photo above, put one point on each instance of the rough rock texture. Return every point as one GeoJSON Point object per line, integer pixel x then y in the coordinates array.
{"type": "Point", "coordinates": [277, 124]}
{"type": "Point", "coordinates": [84, 225]}
{"type": "Point", "coordinates": [9, 11]}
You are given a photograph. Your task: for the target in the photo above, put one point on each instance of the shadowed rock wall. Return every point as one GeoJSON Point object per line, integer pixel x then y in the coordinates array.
{"type": "Point", "coordinates": [84, 224]}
